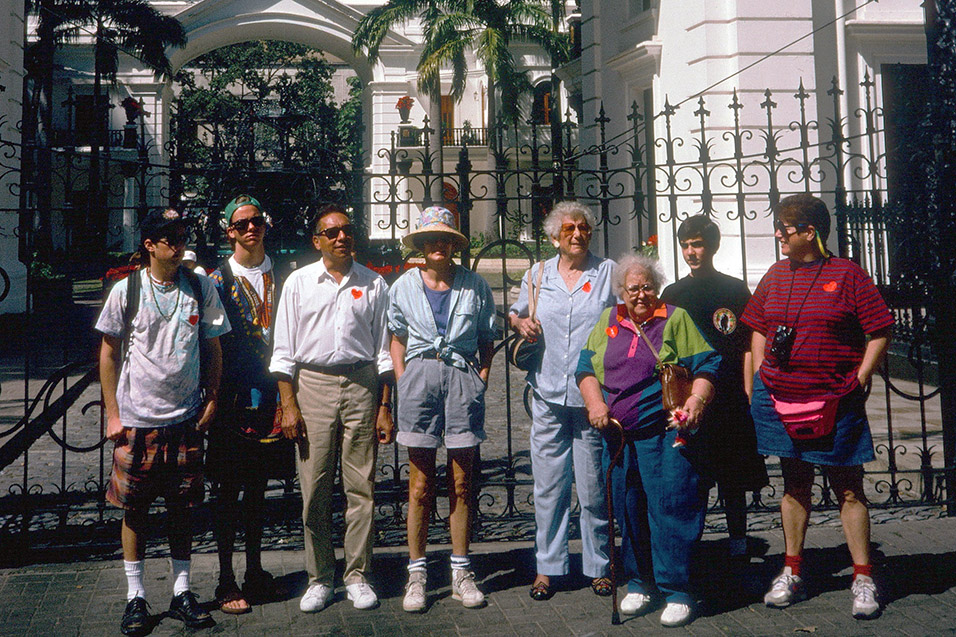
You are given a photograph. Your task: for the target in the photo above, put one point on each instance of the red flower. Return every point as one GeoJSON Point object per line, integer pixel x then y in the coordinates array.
{"type": "Point", "coordinates": [652, 240]}
{"type": "Point", "coordinates": [404, 102]}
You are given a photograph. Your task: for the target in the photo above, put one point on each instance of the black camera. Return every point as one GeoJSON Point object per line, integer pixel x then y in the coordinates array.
{"type": "Point", "coordinates": [782, 345]}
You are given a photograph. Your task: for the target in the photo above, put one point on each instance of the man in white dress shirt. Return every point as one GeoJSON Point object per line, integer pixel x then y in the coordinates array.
{"type": "Point", "coordinates": [331, 358]}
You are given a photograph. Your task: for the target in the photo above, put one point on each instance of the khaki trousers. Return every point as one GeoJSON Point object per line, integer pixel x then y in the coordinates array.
{"type": "Point", "coordinates": [339, 414]}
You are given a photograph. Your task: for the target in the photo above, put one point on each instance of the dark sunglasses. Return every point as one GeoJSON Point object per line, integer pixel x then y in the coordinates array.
{"type": "Point", "coordinates": [243, 224]}
{"type": "Point", "coordinates": [173, 240]}
{"type": "Point", "coordinates": [782, 227]}
{"type": "Point", "coordinates": [333, 233]}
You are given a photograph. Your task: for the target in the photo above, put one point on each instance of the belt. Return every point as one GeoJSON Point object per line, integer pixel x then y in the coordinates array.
{"type": "Point", "coordinates": [429, 353]}
{"type": "Point", "coordinates": [335, 370]}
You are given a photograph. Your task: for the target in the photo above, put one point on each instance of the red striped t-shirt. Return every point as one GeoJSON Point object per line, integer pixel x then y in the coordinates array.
{"type": "Point", "coordinates": [841, 308]}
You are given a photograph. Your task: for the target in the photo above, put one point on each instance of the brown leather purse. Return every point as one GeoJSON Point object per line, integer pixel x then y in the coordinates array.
{"type": "Point", "coordinates": [676, 380]}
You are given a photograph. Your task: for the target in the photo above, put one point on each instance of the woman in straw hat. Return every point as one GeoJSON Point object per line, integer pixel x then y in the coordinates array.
{"type": "Point", "coordinates": [442, 319]}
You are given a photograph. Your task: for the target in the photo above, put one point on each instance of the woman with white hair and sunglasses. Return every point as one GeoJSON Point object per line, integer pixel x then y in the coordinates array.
{"type": "Point", "coordinates": [573, 288]}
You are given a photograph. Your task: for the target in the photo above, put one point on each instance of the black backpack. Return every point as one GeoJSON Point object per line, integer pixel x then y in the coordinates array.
{"type": "Point", "coordinates": [133, 285]}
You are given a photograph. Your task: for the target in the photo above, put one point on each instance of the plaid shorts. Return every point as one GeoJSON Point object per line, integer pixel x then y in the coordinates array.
{"type": "Point", "coordinates": [158, 462]}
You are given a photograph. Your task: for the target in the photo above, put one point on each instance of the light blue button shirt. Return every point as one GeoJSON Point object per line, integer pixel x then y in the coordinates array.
{"type": "Point", "coordinates": [471, 317]}
{"type": "Point", "coordinates": [567, 318]}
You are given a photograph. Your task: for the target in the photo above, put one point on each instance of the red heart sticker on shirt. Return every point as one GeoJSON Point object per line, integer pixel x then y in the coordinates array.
{"type": "Point", "coordinates": [611, 331]}
{"type": "Point", "coordinates": [587, 286]}
{"type": "Point", "coordinates": [193, 319]}
{"type": "Point", "coordinates": [831, 286]}
{"type": "Point", "coordinates": [357, 293]}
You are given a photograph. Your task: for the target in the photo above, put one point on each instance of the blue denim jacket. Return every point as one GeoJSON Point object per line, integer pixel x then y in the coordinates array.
{"type": "Point", "coordinates": [566, 320]}
{"type": "Point", "coordinates": [471, 317]}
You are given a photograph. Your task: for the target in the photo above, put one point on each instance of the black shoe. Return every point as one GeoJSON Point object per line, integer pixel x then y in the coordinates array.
{"type": "Point", "coordinates": [186, 607]}
{"type": "Point", "coordinates": [135, 617]}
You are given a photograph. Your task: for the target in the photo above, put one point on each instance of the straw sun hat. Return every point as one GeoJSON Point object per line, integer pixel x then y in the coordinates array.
{"type": "Point", "coordinates": [436, 220]}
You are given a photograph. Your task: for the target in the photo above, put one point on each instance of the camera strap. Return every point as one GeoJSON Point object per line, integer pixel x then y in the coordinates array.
{"type": "Point", "coordinates": [786, 314]}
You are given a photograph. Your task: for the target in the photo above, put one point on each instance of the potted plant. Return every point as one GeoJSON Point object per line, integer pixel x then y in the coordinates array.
{"type": "Point", "coordinates": [404, 107]}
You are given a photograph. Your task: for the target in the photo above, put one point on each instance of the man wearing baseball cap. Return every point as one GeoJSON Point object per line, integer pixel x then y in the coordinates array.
{"type": "Point", "coordinates": [160, 364]}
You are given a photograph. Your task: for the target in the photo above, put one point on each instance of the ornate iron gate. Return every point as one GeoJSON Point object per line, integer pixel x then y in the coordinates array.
{"type": "Point", "coordinates": [644, 176]}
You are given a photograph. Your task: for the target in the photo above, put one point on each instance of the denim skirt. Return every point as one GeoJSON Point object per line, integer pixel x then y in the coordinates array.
{"type": "Point", "coordinates": [849, 445]}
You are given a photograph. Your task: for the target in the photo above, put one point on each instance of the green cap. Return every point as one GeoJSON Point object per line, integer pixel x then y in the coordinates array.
{"type": "Point", "coordinates": [232, 206]}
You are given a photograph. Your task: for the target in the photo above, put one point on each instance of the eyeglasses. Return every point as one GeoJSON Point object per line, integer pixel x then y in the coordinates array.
{"type": "Point", "coordinates": [569, 228]}
{"type": "Point", "coordinates": [783, 227]}
{"type": "Point", "coordinates": [174, 240]}
{"type": "Point", "coordinates": [243, 224]}
{"type": "Point", "coordinates": [333, 233]}
{"type": "Point", "coordinates": [634, 290]}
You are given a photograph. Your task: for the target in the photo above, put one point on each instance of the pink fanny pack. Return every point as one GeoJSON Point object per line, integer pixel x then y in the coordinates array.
{"type": "Point", "coordinates": [809, 420]}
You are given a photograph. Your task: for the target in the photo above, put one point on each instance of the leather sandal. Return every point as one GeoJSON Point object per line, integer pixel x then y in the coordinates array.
{"type": "Point", "coordinates": [601, 586]}
{"type": "Point", "coordinates": [540, 591]}
{"type": "Point", "coordinates": [227, 593]}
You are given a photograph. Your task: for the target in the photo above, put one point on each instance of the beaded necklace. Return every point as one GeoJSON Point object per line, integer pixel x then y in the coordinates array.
{"type": "Point", "coordinates": [163, 287]}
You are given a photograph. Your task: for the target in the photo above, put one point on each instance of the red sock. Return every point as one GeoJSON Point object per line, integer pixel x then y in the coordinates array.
{"type": "Point", "coordinates": [862, 569]}
{"type": "Point", "coordinates": [793, 561]}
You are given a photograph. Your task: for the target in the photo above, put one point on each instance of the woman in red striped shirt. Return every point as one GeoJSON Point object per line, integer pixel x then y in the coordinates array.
{"type": "Point", "coordinates": [820, 329]}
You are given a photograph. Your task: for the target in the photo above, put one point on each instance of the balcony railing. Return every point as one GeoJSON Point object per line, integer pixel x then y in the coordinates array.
{"type": "Point", "coordinates": [83, 138]}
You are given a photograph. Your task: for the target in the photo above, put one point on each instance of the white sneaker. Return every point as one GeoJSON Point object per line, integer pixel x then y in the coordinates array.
{"type": "Point", "coordinates": [866, 604]}
{"type": "Point", "coordinates": [676, 614]}
{"type": "Point", "coordinates": [635, 604]}
{"type": "Point", "coordinates": [785, 589]}
{"type": "Point", "coordinates": [464, 589]}
{"type": "Point", "coordinates": [414, 601]}
{"type": "Point", "coordinates": [316, 598]}
{"type": "Point", "coordinates": [362, 595]}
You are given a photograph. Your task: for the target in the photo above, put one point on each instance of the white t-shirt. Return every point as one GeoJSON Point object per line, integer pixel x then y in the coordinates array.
{"type": "Point", "coordinates": [254, 276]}
{"type": "Point", "coordinates": [159, 379]}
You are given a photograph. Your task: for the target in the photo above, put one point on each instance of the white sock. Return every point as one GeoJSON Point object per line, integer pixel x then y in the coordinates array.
{"type": "Point", "coordinates": [459, 562]}
{"type": "Point", "coordinates": [180, 576]}
{"type": "Point", "coordinates": [418, 565]}
{"type": "Point", "coordinates": [134, 579]}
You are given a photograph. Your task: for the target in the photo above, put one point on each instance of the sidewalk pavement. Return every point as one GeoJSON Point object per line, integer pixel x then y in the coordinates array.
{"type": "Point", "coordinates": [916, 571]}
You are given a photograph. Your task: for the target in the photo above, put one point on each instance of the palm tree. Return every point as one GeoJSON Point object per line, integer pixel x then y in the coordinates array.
{"type": "Point", "coordinates": [131, 26]}
{"type": "Point", "coordinates": [453, 27]}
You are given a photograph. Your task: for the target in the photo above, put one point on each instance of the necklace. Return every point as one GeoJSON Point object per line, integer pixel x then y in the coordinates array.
{"type": "Point", "coordinates": [152, 291]}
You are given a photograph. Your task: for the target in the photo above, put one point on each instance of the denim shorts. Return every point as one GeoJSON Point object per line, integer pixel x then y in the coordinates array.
{"type": "Point", "coordinates": [438, 401]}
{"type": "Point", "coordinates": [849, 445]}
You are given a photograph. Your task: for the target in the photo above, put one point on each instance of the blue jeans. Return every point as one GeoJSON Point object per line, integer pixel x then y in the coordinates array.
{"type": "Point", "coordinates": [561, 437]}
{"type": "Point", "coordinates": [659, 505]}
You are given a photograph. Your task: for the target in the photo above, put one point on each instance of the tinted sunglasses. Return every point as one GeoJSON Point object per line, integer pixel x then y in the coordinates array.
{"type": "Point", "coordinates": [243, 224]}
{"type": "Point", "coordinates": [782, 227]}
{"type": "Point", "coordinates": [333, 233]}
{"type": "Point", "coordinates": [569, 228]}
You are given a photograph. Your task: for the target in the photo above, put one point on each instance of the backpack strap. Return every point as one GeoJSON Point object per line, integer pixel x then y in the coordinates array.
{"type": "Point", "coordinates": [133, 284]}
{"type": "Point", "coordinates": [196, 285]}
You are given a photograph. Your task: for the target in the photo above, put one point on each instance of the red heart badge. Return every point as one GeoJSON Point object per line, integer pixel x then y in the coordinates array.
{"type": "Point", "coordinates": [611, 331]}
{"type": "Point", "coordinates": [357, 293]}
{"type": "Point", "coordinates": [587, 286]}
{"type": "Point", "coordinates": [831, 286]}
{"type": "Point", "coordinates": [193, 319]}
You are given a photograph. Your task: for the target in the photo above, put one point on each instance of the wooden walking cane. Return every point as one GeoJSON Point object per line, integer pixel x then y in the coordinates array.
{"type": "Point", "coordinates": [612, 550]}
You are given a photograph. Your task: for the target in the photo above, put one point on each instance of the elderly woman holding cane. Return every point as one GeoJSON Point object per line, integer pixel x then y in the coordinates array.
{"type": "Point", "coordinates": [572, 290]}
{"type": "Point", "coordinates": [442, 320]}
{"type": "Point", "coordinates": [820, 329]}
{"type": "Point", "coordinates": [657, 495]}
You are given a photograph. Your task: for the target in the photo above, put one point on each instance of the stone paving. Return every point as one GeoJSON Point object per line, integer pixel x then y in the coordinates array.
{"type": "Point", "coordinates": [916, 572]}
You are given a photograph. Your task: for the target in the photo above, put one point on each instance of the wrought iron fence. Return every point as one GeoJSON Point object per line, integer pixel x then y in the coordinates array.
{"type": "Point", "coordinates": [644, 177]}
